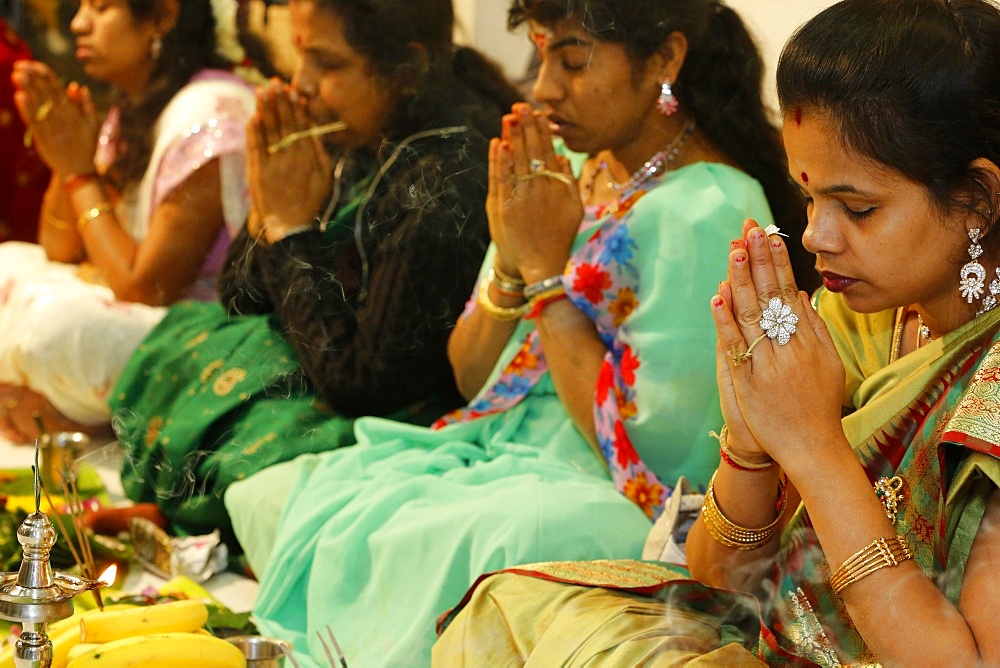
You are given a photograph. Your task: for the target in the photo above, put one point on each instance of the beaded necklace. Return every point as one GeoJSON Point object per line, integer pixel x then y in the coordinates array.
{"type": "Point", "coordinates": [658, 163]}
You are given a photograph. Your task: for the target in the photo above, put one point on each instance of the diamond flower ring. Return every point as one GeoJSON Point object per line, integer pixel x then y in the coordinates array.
{"type": "Point", "coordinates": [778, 321]}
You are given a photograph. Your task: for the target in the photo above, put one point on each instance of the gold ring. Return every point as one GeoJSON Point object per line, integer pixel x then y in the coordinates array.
{"type": "Point", "coordinates": [741, 356]}
{"type": "Point", "coordinates": [43, 111]}
{"type": "Point", "coordinates": [547, 173]}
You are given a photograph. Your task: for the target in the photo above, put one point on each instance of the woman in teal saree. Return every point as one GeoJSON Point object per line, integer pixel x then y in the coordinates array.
{"type": "Point", "coordinates": [855, 517]}
{"type": "Point", "coordinates": [581, 405]}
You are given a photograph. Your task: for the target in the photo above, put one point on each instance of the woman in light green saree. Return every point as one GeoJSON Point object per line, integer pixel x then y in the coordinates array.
{"type": "Point", "coordinates": [844, 526]}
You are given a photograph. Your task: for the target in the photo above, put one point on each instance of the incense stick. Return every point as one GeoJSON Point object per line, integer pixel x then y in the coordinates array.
{"type": "Point", "coordinates": [288, 655]}
{"type": "Point", "coordinates": [291, 138]}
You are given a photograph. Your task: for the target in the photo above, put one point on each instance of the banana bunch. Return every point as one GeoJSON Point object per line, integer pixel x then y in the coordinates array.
{"type": "Point", "coordinates": [167, 634]}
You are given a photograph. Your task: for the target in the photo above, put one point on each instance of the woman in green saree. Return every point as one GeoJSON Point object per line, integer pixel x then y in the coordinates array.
{"type": "Point", "coordinates": [855, 517]}
{"type": "Point", "coordinates": [367, 177]}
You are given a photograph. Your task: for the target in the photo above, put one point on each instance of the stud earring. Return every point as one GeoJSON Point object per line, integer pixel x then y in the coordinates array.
{"type": "Point", "coordinates": [155, 47]}
{"type": "Point", "coordinates": [667, 102]}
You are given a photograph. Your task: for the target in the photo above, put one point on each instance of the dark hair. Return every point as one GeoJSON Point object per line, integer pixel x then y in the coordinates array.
{"type": "Point", "coordinates": [914, 86]}
{"type": "Point", "coordinates": [720, 85]}
{"type": "Point", "coordinates": [385, 32]}
{"type": "Point", "coordinates": [189, 47]}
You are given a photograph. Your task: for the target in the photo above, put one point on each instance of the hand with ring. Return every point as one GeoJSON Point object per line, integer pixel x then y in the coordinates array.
{"type": "Point", "coordinates": [62, 123]}
{"type": "Point", "coordinates": [283, 140]}
{"type": "Point", "coordinates": [533, 203]}
{"type": "Point", "coordinates": [779, 372]}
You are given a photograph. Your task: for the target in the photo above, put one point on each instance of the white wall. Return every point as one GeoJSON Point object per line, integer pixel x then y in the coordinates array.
{"type": "Point", "coordinates": [482, 22]}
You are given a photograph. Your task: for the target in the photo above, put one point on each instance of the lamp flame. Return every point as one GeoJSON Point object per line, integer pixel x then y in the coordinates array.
{"type": "Point", "coordinates": [109, 574]}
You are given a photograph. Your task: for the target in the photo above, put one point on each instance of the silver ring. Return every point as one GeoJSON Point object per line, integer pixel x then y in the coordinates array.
{"type": "Point", "coordinates": [536, 165]}
{"type": "Point", "coordinates": [778, 321]}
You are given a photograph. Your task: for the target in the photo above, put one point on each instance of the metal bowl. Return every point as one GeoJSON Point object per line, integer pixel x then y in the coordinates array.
{"type": "Point", "coordinates": [261, 651]}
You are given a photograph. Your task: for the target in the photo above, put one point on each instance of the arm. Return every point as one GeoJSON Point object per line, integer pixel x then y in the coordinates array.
{"type": "Point", "coordinates": [83, 225]}
{"type": "Point", "coordinates": [532, 251]}
{"type": "Point", "coordinates": [182, 230]}
{"type": "Point", "coordinates": [805, 436]}
{"type": "Point", "coordinates": [381, 352]}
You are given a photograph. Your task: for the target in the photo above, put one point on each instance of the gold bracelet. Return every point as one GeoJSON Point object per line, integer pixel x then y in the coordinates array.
{"type": "Point", "coordinates": [506, 282]}
{"type": "Point", "coordinates": [732, 535]}
{"type": "Point", "coordinates": [878, 554]}
{"type": "Point", "coordinates": [499, 312]}
{"type": "Point", "coordinates": [734, 460]}
{"type": "Point", "coordinates": [92, 214]}
{"type": "Point", "coordinates": [58, 223]}
{"type": "Point", "coordinates": [504, 285]}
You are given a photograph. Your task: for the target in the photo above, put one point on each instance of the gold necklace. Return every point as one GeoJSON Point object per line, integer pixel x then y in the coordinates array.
{"type": "Point", "coordinates": [897, 334]}
{"type": "Point", "coordinates": [923, 332]}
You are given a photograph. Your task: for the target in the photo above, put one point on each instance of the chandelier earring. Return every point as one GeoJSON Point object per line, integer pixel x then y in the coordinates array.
{"type": "Point", "coordinates": [667, 102]}
{"type": "Point", "coordinates": [972, 283]}
{"type": "Point", "coordinates": [973, 274]}
{"type": "Point", "coordinates": [156, 47]}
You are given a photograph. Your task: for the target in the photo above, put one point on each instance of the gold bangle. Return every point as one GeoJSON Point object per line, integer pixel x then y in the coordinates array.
{"type": "Point", "coordinates": [878, 554]}
{"type": "Point", "coordinates": [58, 223]}
{"type": "Point", "coordinates": [731, 535]}
{"type": "Point", "coordinates": [499, 312]}
{"type": "Point", "coordinates": [506, 286]}
{"type": "Point", "coordinates": [92, 214]}
{"type": "Point", "coordinates": [735, 460]}
{"type": "Point", "coordinates": [505, 281]}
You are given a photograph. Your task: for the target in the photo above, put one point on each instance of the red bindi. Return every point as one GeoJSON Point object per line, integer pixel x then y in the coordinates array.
{"type": "Point", "coordinates": [798, 116]}
{"type": "Point", "coordinates": [805, 178]}
{"type": "Point", "coordinates": [298, 40]}
{"type": "Point", "coordinates": [539, 38]}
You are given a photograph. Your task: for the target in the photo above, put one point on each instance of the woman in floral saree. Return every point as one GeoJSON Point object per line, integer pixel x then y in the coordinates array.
{"type": "Point", "coordinates": [378, 539]}
{"type": "Point", "coordinates": [872, 537]}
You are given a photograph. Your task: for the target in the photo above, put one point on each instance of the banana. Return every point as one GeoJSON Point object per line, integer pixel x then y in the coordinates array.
{"type": "Point", "coordinates": [55, 628]}
{"type": "Point", "coordinates": [62, 644]}
{"type": "Point", "coordinates": [183, 616]}
{"type": "Point", "coordinates": [82, 648]}
{"type": "Point", "coordinates": [163, 650]}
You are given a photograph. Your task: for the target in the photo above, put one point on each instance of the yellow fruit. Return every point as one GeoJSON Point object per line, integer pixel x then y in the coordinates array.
{"type": "Point", "coordinates": [82, 648]}
{"type": "Point", "coordinates": [7, 657]}
{"type": "Point", "coordinates": [62, 644]}
{"type": "Point", "coordinates": [163, 650]}
{"type": "Point", "coordinates": [176, 616]}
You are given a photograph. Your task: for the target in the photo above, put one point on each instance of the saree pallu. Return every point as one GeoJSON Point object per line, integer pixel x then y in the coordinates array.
{"type": "Point", "coordinates": [932, 418]}
{"type": "Point", "coordinates": [377, 539]}
{"type": "Point", "coordinates": [63, 333]}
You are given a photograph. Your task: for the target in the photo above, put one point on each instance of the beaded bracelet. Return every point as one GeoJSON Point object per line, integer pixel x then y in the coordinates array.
{"type": "Point", "coordinates": [878, 554]}
{"type": "Point", "coordinates": [730, 535]}
{"type": "Point", "coordinates": [533, 290]}
{"type": "Point", "coordinates": [499, 312]}
{"type": "Point", "coordinates": [93, 213]}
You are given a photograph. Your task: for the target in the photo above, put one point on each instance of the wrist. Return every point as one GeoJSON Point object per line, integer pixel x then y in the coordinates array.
{"type": "Point", "coordinates": [274, 236]}
{"type": "Point", "coordinates": [539, 273]}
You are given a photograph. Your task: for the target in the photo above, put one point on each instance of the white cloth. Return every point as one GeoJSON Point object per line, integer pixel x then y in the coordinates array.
{"type": "Point", "coordinates": [68, 339]}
